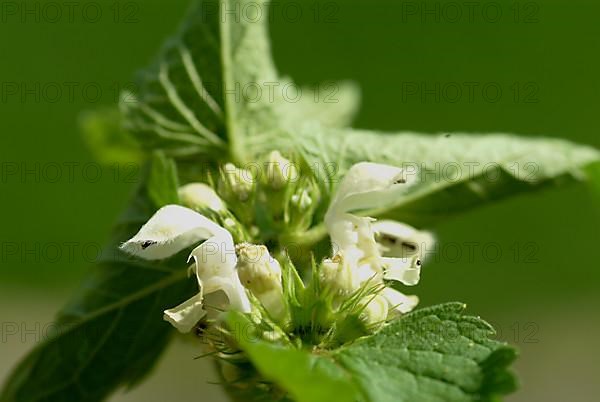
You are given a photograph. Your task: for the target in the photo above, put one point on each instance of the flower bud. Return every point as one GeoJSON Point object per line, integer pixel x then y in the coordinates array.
{"type": "Point", "coordinates": [201, 196]}
{"type": "Point", "coordinates": [261, 274]}
{"type": "Point", "coordinates": [236, 182]}
{"type": "Point", "coordinates": [280, 171]}
{"type": "Point", "coordinates": [302, 200]}
{"type": "Point", "coordinates": [257, 270]}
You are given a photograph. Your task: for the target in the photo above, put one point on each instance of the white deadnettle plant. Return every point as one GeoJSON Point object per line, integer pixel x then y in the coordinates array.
{"type": "Point", "coordinates": [358, 258]}
{"type": "Point", "coordinates": [348, 296]}
{"type": "Point", "coordinates": [359, 261]}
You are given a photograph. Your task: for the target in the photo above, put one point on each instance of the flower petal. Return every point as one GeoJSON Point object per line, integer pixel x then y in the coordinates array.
{"type": "Point", "coordinates": [399, 301]}
{"type": "Point", "coordinates": [170, 230]}
{"type": "Point", "coordinates": [405, 270]}
{"type": "Point", "coordinates": [367, 185]}
{"type": "Point", "coordinates": [343, 234]}
{"type": "Point", "coordinates": [187, 314]}
{"type": "Point", "coordinates": [375, 310]}
{"type": "Point", "coordinates": [215, 268]}
{"type": "Point", "coordinates": [398, 239]}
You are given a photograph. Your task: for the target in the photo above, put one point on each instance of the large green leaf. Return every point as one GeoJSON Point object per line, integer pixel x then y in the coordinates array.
{"type": "Point", "coordinates": [215, 90]}
{"type": "Point", "coordinates": [112, 332]}
{"type": "Point", "coordinates": [306, 377]}
{"type": "Point", "coordinates": [456, 172]}
{"type": "Point", "coordinates": [433, 354]}
{"type": "Point", "coordinates": [332, 104]}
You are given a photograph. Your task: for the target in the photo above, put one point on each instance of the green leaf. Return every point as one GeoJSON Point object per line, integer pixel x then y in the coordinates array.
{"type": "Point", "coordinates": [112, 332]}
{"type": "Point", "coordinates": [458, 172]}
{"type": "Point", "coordinates": [433, 354]}
{"type": "Point", "coordinates": [163, 182]}
{"type": "Point", "coordinates": [214, 89]}
{"type": "Point", "coordinates": [307, 377]}
{"type": "Point", "coordinates": [333, 104]}
{"type": "Point", "coordinates": [180, 103]}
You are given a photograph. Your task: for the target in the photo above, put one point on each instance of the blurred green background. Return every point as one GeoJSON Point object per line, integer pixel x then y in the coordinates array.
{"type": "Point", "coordinates": [541, 292]}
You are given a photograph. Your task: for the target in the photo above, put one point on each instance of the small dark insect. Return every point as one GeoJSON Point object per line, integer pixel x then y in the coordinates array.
{"type": "Point", "coordinates": [418, 263]}
{"type": "Point", "coordinates": [399, 180]}
{"type": "Point", "coordinates": [147, 244]}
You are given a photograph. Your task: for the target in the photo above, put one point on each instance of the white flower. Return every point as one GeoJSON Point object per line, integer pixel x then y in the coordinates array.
{"type": "Point", "coordinates": [365, 186]}
{"type": "Point", "coordinates": [200, 195]}
{"type": "Point", "coordinates": [397, 239]}
{"type": "Point", "coordinates": [174, 228]}
{"type": "Point", "coordinates": [357, 255]}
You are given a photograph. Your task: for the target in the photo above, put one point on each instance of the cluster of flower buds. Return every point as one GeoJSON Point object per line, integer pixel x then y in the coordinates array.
{"type": "Point", "coordinates": [270, 195]}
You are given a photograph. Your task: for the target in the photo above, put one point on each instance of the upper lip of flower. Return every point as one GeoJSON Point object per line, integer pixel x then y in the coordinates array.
{"type": "Point", "coordinates": [367, 185]}
{"type": "Point", "coordinates": [170, 230]}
